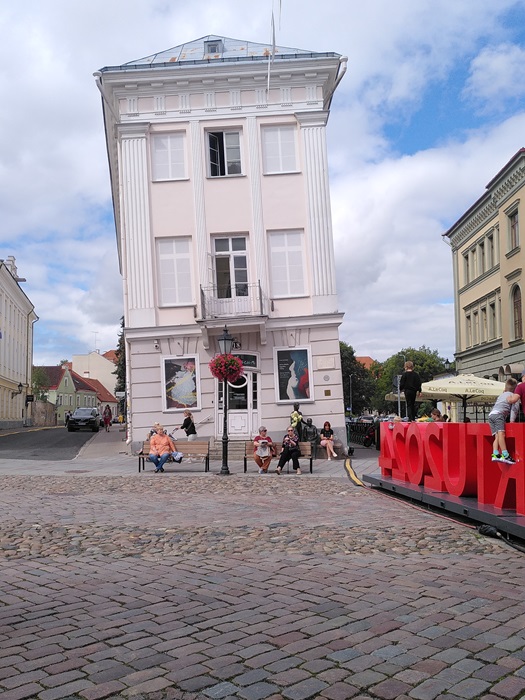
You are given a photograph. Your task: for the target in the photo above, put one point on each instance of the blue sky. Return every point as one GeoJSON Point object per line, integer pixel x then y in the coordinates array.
{"type": "Point", "coordinates": [431, 107]}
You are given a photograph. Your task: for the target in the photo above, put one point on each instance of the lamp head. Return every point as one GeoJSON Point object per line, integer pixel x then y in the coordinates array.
{"type": "Point", "coordinates": [226, 342]}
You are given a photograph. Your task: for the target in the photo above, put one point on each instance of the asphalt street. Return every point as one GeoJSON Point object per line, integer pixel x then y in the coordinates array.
{"type": "Point", "coordinates": [188, 585]}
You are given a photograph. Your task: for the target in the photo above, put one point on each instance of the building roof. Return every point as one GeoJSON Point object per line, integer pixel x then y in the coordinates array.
{"type": "Point", "coordinates": [111, 355]}
{"type": "Point", "coordinates": [80, 383]}
{"type": "Point", "coordinates": [366, 361]}
{"type": "Point", "coordinates": [54, 374]}
{"type": "Point", "coordinates": [103, 395]}
{"type": "Point", "coordinates": [196, 51]}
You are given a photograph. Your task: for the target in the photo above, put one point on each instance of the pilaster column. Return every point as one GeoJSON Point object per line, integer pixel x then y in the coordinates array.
{"type": "Point", "coordinates": [259, 240]}
{"type": "Point", "coordinates": [137, 244]}
{"type": "Point", "coordinates": [313, 126]}
{"type": "Point", "coordinates": [201, 242]}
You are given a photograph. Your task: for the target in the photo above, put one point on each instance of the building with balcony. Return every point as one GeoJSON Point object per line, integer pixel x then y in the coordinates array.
{"type": "Point", "coordinates": [17, 316]}
{"type": "Point", "coordinates": [219, 175]}
{"type": "Point", "coordinates": [488, 263]}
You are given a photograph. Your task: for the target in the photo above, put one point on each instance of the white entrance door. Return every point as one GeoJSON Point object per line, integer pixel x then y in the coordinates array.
{"type": "Point", "coordinates": [243, 413]}
{"type": "Point", "coordinates": [231, 276]}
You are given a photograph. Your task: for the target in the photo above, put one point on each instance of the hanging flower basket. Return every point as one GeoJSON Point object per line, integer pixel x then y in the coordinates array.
{"type": "Point", "coordinates": [226, 368]}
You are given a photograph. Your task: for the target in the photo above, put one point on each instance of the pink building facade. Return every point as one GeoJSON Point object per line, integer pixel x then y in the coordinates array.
{"type": "Point", "coordinates": [219, 175]}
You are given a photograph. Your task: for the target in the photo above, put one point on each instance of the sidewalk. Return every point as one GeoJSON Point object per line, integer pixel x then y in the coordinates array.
{"type": "Point", "coordinates": [108, 453]}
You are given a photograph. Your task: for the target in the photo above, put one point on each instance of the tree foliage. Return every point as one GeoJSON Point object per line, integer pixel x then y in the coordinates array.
{"type": "Point", "coordinates": [358, 383]}
{"type": "Point", "coordinates": [120, 370]}
{"type": "Point", "coordinates": [39, 383]}
{"type": "Point", "coordinates": [427, 363]}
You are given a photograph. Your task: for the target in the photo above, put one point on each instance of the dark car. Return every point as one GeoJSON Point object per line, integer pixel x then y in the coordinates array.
{"type": "Point", "coordinates": [88, 418]}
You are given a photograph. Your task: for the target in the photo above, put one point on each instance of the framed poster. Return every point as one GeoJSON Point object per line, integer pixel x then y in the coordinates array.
{"type": "Point", "coordinates": [180, 381]}
{"type": "Point", "coordinates": [292, 374]}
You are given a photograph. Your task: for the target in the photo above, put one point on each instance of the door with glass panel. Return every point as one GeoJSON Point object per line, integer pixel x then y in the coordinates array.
{"type": "Point", "coordinates": [243, 414]}
{"type": "Point", "coordinates": [231, 276]}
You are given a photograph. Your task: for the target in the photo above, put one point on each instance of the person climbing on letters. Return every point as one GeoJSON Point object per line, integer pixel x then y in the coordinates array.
{"type": "Point", "coordinates": [505, 404]}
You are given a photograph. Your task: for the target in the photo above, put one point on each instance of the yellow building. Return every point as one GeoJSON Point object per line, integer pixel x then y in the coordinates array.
{"type": "Point", "coordinates": [488, 263]}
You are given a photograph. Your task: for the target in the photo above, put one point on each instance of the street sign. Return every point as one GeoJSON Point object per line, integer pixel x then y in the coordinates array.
{"type": "Point", "coordinates": [30, 398]}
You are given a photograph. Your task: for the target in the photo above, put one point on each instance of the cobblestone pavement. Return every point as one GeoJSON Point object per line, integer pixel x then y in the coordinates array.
{"type": "Point", "coordinates": [252, 587]}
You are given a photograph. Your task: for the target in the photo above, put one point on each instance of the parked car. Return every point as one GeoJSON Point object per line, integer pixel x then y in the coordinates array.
{"type": "Point", "coordinates": [88, 418]}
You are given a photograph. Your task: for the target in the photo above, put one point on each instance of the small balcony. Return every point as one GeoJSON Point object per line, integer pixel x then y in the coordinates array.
{"type": "Point", "coordinates": [233, 300]}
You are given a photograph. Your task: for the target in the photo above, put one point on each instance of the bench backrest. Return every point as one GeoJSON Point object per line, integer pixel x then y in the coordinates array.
{"type": "Point", "coordinates": [187, 448]}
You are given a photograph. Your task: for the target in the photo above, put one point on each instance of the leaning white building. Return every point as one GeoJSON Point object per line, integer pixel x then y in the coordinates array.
{"type": "Point", "coordinates": [219, 175]}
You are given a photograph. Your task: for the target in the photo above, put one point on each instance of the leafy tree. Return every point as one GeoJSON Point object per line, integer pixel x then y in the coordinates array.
{"type": "Point", "coordinates": [427, 363]}
{"type": "Point", "coordinates": [358, 383]}
{"type": "Point", "coordinates": [39, 383]}
{"type": "Point", "coordinates": [63, 362]}
{"type": "Point", "coordinates": [120, 370]}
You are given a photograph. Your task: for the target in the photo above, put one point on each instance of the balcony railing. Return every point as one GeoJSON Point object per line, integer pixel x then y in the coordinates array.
{"type": "Point", "coordinates": [233, 300]}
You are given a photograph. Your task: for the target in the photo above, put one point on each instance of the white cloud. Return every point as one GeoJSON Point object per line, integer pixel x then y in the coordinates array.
{"type": "Point", "coordinates": [496, 76]}
{"type": "Point", "coordinates": [395, 273]}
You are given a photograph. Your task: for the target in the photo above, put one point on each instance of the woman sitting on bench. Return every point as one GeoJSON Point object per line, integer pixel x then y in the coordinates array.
{"type": "Point", "coordinates": [290, 450]}
{"type": "Point", "coordinates": [160, 448]}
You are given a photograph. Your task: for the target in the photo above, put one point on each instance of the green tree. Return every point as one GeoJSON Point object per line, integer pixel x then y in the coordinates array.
{"type": "Point", "coordinates": [427, 363]}
{"type": "Point", "coordinates": [358, 383]}
{"type": "Point", "coordinates": [120, 370]}
{"type": "Point", "coordinates": [39, 383]}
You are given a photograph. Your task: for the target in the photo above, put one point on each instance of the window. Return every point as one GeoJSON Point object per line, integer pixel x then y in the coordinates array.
{"type": "Point", "coordinates": [516, 314]}
{"type": "Point", "coordinates": [492, 320]}
{"type": "Point", "coordinates": [278, 147]}
{"type": "Point", "coordinates": [484, 328]}
{"type": "Point", "coordinates": [466, 267]}
{"type": "Point", "coordinates": [174, 271]}
{"type": "Point", "coordinates": [491, 261]}
{"type": "Point", "coordinates": [468, 328]}
{"type": "Point", "coordinates": [475, 328]}
{"type": "Point", "coordinates": [287, 264]}
{"type": "Point", "coordinates": [224, 153]}
{"type": "Point", "coordinates": [514, 231]}
{"type": "Point", "coordinates": [167, 156]}
{"type": "Point", "coordinates": [231, 267]}
{"type": "Point", "coordinates": [481, 258]}
{"type": "Point", "coordinates": [213, 46]}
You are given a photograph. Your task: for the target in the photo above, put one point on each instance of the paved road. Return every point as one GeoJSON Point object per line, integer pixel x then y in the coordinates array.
{"type": "Point", "coordinates": [55, 444]}
{"type": "Point", "coordinates": [195, 586]}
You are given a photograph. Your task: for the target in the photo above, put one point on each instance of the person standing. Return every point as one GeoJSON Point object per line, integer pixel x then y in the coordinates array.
{"type": "Point", "coordinates": [108, 417]}
{"type": "Point", "coordinates": [188, 425]}
{"type": "Point", "coordinates": [410, 384]}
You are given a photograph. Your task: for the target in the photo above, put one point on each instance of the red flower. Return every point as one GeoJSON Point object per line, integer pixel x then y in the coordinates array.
{"type": "Point", "coordinates": [226, 367]}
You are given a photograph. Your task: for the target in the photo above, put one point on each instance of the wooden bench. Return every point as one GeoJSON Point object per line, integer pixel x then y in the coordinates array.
{"type": "Point", "coordinates": [190, 450]}
{"type": "Point", "coordinates": [305, 448]}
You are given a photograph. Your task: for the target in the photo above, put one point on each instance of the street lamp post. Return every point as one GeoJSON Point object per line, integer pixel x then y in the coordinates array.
{"type": "Point", "coordinates": [226, 342]}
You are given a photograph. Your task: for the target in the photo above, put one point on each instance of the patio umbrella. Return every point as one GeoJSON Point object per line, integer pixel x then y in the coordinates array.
{"type": "Point", "coordinates": [463, 387]}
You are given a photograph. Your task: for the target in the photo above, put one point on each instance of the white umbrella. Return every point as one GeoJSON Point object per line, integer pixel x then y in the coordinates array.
{"type": "Point", "coordinates": [465, 387]}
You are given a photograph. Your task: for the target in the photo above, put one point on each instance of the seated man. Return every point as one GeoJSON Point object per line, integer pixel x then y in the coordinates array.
{"type": "Point", "coordinates": [160, 448]}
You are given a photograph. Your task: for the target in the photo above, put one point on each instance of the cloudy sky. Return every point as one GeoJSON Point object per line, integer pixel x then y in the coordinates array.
{"type": "Point", "coordinates": [431, 107]}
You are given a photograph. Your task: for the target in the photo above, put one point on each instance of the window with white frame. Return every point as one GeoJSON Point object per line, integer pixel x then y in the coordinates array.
{"type": "Point", "coordinates": [167, 157]}
{"type": "Point", "coordinates": [481, 257]}
{"type": "Point", "coordinates": [491, 261]}
{"type": "Point", "coordinates": [174, 271]}
{"type": "Point", "coordinates": [287, 264]}
{"type": "Point", "coordinates": [493, 323]}
{"type": "Point", "coordinates": [483, 327]}
{"type": "Point", "coordinates": [468, 329]}
{"type": "Point", "coordinates": [475, 328]}
{"type": "Point", "coordinates": [224, 153]}
{"type": "Point", "coordinates": [278, 149]}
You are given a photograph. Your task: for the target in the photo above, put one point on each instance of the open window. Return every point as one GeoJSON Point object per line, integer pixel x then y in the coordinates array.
{"type": "Point", "coordinates": [224, 153]}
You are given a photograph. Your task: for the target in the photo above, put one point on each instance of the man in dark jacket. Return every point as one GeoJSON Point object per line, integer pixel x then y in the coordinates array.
{"type": "Point", "coordinates": [410, 384]}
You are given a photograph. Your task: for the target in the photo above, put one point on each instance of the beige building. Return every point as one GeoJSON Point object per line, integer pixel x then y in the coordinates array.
{"type": "Point", "coordinates": [98, 366]}
{"type": "Point", "coordinates": [488, 263]}
{"type": "Point", "coordinates": [17, 317]}
{"type": "Point", "coordinates": [219, 174]}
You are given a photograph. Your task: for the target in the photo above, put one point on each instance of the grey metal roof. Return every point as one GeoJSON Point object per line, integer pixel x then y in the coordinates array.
{"type": "Point", "coordinates": [232, 50]}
